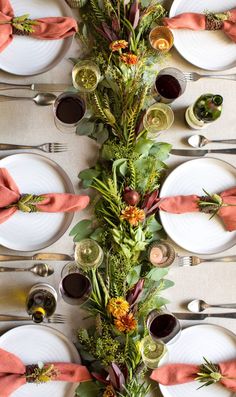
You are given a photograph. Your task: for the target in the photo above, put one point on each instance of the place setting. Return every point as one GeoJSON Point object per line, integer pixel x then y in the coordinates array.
{"type": "Point", "coordinates": [94, 228]}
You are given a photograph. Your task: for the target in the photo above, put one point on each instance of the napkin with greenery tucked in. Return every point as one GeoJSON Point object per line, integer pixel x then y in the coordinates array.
{"type": "Point", "coordinates": [223, 204]}
{"type": "Point", "coordinates": [11, 200]}
{"type": "Point", "coordinates": [51, 28]}
{"type": "Point", "coordinates": [14, 374]}
{"type": "Point", "coordinates": [207, 374]}
{"type": "Point", "coordinates": [225, 21]}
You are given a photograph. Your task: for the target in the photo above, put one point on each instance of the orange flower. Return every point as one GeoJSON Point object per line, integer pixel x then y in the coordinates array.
{"type": "Point", "coordinates": [118, 307]}
{"type": "Point", "coordinates": [129, 59]}
{"type": "Point", "coordinates": [126, 323]}
{"type": "Point", "coordinates": [133, 215]}
{"type": "Point", "coordinates": [109, 392]}
{"type": "Point", "coordinates": [118, 45]}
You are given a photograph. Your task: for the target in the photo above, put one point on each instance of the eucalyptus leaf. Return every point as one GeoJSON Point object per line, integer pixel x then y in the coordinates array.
{"type": "Point", "coordinates": [167, 284]}
{"type": "Point", "coordinates": [98, 234]}
{"type": "Point", "coordinates": [133, 276]}
{"type": "Point", "coordinates": [101, 133]}
{"type": "Point", "coordinates": [87, 389]}
{"type": "Point", "coordinates": [153, 225]}
{"type": "Point", "coordinates": [121, 166]}
{"type": "Point", "coordinates": [82, 229]}
{"type": "Point", "coordinates": [160, 150]}
{"type": "Point", "coordinates": [106, 152]}
{"type": "Point", "coordinates": [87, 176]}
{"type": "Point", "coordinates": [157, 274]}
{"type": "Point", "coordinates": [143, 146]}
{"type": "Point", "coordinates": [85, 127]}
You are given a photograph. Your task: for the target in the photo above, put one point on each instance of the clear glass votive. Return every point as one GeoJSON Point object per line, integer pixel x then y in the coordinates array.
{"type": "Point", "coordinates": [68, 109]}
{"type": "Point", "coordinates": [161, 254]}
{"type": "Point", "coordinates": [88, 254]}
{"type": "Point", "coordinates": [158, 117]}
{"type": "Point", "coordinates": [170, 84]}
{"type": "Point", "coordinates": [86, 76]}
{"type": "Point", "coordinates": [161, 39]}
{"type": "Point", "coordinates": [75, 287]}
{"type": "Point", "coordinates": [152, 351]}
{"type": "Point", "coordinates": [163, 326]}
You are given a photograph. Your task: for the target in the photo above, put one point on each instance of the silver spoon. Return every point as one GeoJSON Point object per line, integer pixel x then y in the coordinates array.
{"type": "Point", "coordinates": [41, 99]}
{"type": "Point", "coordinates": [40, 269]}
{"type": "Point", "coordinates": [198, 305]}
{"type": "Point", "coordinates": [200, 141]}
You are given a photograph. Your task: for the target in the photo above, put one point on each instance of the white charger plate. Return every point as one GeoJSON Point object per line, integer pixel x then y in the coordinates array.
{"type": "Point", "coordinates": [215, 343]}
{"type": "Point", "coordinates": [35, 174]}
{"type": "Point", "coordinates": [39, 343]}
{"type": "Point", "coordinates": [28, 56]}
{"type": "Point", "coordinates": [194, 231]}
{"type": "Point", "coordinates": [205, 49]}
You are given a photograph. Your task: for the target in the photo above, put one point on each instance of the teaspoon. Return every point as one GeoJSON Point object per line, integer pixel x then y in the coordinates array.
{"type": "Point", "coordinates": [198, 305]}
{"type": "Point", "coordinates": [41, 99]}
{"type": "Point", "coordinates": [200, 141]}
{"type": "Point", "coordinates": [40, 269]}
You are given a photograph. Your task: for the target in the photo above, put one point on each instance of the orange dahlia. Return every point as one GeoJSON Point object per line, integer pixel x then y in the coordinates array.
{"type": "Point", "coordinates": [109, 392]}
{"type": "Point", "coordinates": [118, 307]}
{"type": "Point", "coordinates": [133, 215]}
{"type": "Point", "coordinates": [118, 45]}
{"type": "Point", "coordinates": [126, 323]}
{"type": "Point", "coordinates": [129, 58]}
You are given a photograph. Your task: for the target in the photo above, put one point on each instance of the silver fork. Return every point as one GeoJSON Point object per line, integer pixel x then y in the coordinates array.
{"type": "Point", "coordinates": [45, 147]}
{"type": "Point", "coordinates": [54, 319]}
{"type": "Point", "coordinates": [195, 260]}
{"type": "Point", "coordinates": [193, 76]}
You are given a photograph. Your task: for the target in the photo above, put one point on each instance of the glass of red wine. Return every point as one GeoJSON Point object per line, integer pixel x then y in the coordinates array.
{"type": "Point", "coordinates": [163, 326]}
{"type": "Point", "coordinates": [75, 287]}
{"type": "Point", "coordinates": [170, 84]}
{"type": "Point", "coordinates": [69, 108]}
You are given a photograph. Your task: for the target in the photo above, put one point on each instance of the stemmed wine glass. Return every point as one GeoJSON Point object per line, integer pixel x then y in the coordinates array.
{"type": "Point", "coordinates": [170, 84]}
{"type": "Point", "coordinates": [163, 326]}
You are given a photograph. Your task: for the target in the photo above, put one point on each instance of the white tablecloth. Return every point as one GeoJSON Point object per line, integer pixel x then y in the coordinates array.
{"type": "Point", "coordinates": [26, 123]}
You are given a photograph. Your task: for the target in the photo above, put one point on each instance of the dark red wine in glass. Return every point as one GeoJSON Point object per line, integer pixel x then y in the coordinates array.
{"type": "Point", "coordinates": [163, 326]}
{"type": "Point", "coordinates": [168, 86]}
{"type": "Point", "coordinates": [70, 109]}
{"type": "Point", "coordinates": [75, 288]}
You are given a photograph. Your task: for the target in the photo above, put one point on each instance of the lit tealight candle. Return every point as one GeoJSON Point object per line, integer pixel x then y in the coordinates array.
{"type": "Point", "coordinates": [161, 38]}
{"type": "Point", "coordinates": [156, 256]}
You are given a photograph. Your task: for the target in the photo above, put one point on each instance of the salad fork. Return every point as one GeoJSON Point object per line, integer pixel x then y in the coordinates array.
{"type": "Point", "coordinates": [193, 76]}
{"type": "Point", "coordinates": [54, 319]}
{"type": "Point", "coordinates": [195, 260]}
{"type": "Point", "coordinates": [45, 147]}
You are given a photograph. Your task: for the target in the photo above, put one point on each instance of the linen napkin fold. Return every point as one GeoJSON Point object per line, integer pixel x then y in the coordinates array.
{"type": "Point", "coordinates": [50, 202]}
{"type": "Point", "coordinates": [52, 28]}
{"type": "Point", "coordinates": [185, 204]}
{"type": "Point", "coordinates": [196, 21]}
{"type": "Point", "coordinates": [176, 374]}
{"type": "Point", "coordinates": [13, 373]}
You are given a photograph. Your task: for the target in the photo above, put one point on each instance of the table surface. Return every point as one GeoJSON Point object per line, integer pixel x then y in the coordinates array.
{"type": "Point", "coordinates": [213, 282]}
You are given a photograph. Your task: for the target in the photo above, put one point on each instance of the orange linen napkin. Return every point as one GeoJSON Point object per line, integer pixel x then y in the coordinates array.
{"type": "Point", "coordinates": [195, 21]}
{"type": "Point", "coordinates": [46, 28]}
{"type": "Point", "coordinates": [175, 374]}
{"type": "Point", "coordinates": [184, 204]}
{"type": "Point", "coordinates": [13, 373]}
{"type": "Point", "coordinates": [51, 202]}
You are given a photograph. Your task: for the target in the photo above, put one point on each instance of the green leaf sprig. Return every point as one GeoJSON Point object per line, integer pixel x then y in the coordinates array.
{"type": "Point", "coordinates": [22, 23]}
{"type": "Point", "coordinates": [212, 203]}
{"type": "Point", "coordinates": [28, 203]}
{"type": "Point", "coordinates": [208, 374]}
{"type": "Point", "coordinates": [41, 373]}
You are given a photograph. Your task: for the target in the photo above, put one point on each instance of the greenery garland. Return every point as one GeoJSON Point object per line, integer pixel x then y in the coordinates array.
{"type": "Point", "coordinates": [114, 35]}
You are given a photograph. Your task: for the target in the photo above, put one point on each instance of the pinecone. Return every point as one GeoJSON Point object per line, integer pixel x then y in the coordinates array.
{"type": "Point", "coordinates": [208, 209]}
{"type": "Point", "coordinates": [20, 32]}
{"type": "Point", "coordinates": [29, 370]}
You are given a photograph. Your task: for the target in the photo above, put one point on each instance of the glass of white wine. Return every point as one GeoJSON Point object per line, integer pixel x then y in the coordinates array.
{"type": "Point", "coordinates": [152, 352]}
{"type": "Point", "coordinates": [88, 254]}
{"type": "Point", "coordinates": [159, 117]}
{"type": "Point", "coordinates": [86, 76]}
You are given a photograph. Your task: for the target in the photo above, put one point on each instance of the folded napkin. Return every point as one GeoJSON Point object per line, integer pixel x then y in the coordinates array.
{"type": "Point", "coordinates": [45, 29]}
{"type": "Point", "coordinates": [195, 21]}
{"type": "Point", "coordinates": [175, 374]}
{"type": "Point", "coordinates": [14, 374]}
{"type": "Point", "coordinates": [193, 203]}
{"type": "Point", "coordinates": [11, 200]}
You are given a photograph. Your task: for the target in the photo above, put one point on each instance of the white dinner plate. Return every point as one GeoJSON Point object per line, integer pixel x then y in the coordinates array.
{"type": "Point", "coordinates": [39, 343]}
{"type": "Point", "coordinates": [28, 56]}
{"type": "Point", "coordinates": [194, 231]}
{"type": "Point", "coordinates": [215, 343]}
{"type": "Point", "coordinates": [35, 174]}
{"type": "Point", "coordinates": [205, 49]}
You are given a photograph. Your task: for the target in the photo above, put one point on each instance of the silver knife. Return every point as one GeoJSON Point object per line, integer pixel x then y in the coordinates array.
{"type": "Point", "coordinates": [200, 153]}
{"type": "Point", "coordinates": [37, 257]}
{"type": "Point", "coordinates": [36, 87]}
{"type": "Point", "coordinates": [202, 316]}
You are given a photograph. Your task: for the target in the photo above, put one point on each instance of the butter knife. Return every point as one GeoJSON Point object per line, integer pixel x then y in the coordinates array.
{"type": "Point", "coordinates": [37, 257]}
{"type": "Point", "coordinates": [202, 316]}
{"type": "Point", "coordinates": [36, 87]}
{"type": "Point", "coordinates": [200, 153]}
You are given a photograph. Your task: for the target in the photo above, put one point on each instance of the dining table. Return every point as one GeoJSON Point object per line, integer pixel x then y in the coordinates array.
{"type": "Point", "coordinates": [26, 123]}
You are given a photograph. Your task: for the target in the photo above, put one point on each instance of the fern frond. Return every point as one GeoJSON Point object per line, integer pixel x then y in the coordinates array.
{"type": "Point", "coordinates": [97, 11]}
{"type": "Point", "coordinates": [132, 183]}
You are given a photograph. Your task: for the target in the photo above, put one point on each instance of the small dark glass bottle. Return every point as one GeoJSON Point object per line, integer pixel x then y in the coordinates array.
{"type": "Point", "coordinates": [41, 302]}
{"type": "Point", "coordinates": [205, 110]}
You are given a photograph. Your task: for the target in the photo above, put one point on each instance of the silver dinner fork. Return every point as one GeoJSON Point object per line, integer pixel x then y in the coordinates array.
{"type": "Point", "coordinates": [54, 319]}
{"type": "Point", "coordinates": [193, 76]}
{"type": "Point", "coordinates": [45, 147]}
{"type": "Point", "coordinates": [195, 260]}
